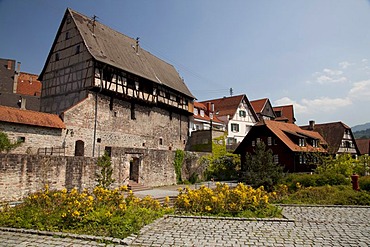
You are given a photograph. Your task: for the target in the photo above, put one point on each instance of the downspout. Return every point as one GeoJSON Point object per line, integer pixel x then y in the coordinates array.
{"type": "Point", "coordinates": [96, 112]}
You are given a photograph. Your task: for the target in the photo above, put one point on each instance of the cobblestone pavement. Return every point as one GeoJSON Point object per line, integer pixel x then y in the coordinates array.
{"type": "Point", "coordinates": [302, 226]}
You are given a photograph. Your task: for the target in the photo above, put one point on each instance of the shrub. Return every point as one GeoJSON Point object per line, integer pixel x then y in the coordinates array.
{"type": "Point", "coordinates": [222, 168]}
{"type": "Point", "coordinates": [6, 144]}
{"type": "Point", "coordinates": [312, 180]}
{"type": "Point", "coordinates": [104, 176]}
{"type": "Point", "coordinates": [260, 170]}
{"type": "Point", "coordinates": [364, 183]}
{"type": "Point", "coordinates": [242, 200]}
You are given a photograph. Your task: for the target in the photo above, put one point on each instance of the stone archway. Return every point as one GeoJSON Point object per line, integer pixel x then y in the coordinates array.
{"type": "Point", "coordinates": [79, 148]}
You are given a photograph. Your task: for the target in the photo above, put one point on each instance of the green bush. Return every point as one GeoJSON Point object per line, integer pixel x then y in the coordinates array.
{"type": "Point", "coordinates": [364, 183]}
{"type": "Point", "coordinates": [311, 180]}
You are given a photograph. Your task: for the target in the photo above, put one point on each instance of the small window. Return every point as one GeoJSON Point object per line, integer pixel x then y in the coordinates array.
{"type": "Point", "coordinates": [276, 159]}
{"type": "Point", "coordinates": [235, 127]}
{"type": "Point", "coordinates": [56, 56]}
{"type": "Point", "coordinates": [108, 150]}
{"type": "Point", "coordinates": [302, 142]}
{"type": "Point", "coordinates": [21, 139]}
{"type": "Point", "coordinates": [242, 113]}
{"type": "Point", "coordinates": [258, 140]}
{"type": "Point", "coordinates": [269, 140]}
{"type": "Point", "coordinates": [195, 111]}
{"type": "Point", "coordinates": [77, 49]}
{"type": "Point", "coordinates": [67, 35]}
{"type": "Point", "coordinates": [202, 113]}
{"type": "Point", "coordinates": [253, 143]}
{"type": "Point", "coordinates": [161, 141]}
{"type": "Point", "coordinates": [133, 117]}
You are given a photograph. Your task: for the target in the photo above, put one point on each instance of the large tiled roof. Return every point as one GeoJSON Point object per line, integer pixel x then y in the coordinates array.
{"type": "Point", "coordinates": [19, 116]}
{"type": "Point", "coordinates": [363, 146]}
{"type": "Point", "coordinates": [287, 113]}
{"type": "Point", "coordinates": [116, 49]}
{"type": "Point", "coordinates": [283, 131]}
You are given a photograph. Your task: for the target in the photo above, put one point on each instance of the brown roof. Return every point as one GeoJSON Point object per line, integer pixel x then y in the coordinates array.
{"type": "Point", "coordinates": [259, 104]}
{"type": "Point", "coordinates": [28, 84]}
{"type": "Point", "coordinates": [332, 132]}
{"type": "Point", "coordinates": [229, 105]}
{"type": "Point", "coordinates": [118, 50]}
{"type": "Point", "coordinates": [19, 116]}
{"type": "Point", "coordinates": [281, 130]}
{"type": "Point", "coordinates": [363, 146]}
{"type": "Point", "coordinates": [287, 113]}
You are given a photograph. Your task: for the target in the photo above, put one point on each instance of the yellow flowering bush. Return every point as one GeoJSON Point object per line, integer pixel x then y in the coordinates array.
{"type": "Point", "coordinates": [223, 200]}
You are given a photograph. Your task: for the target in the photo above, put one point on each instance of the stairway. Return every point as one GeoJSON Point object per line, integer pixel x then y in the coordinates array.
{"type": "Point", "coordinates": [134, 186]}
{"type": "Point", "coordinates": [171, 203]}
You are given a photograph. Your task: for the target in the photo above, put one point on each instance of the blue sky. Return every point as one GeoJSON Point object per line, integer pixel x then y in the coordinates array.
{"type": "Point", "coordinates": [314, 54]}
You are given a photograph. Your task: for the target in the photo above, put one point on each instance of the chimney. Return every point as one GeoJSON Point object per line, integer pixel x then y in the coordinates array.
{"type": "Point", "coordinates": [16, 75]}
{"type": "Point", "coordinates": [10, 63]}
{"type": "Point", "coordinates": [137, 45]}
{"type": "Point", "coordinates": [311, 125]}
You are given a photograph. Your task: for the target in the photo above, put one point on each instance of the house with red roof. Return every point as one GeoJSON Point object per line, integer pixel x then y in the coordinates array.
{"type": "Point", "coordinates": [263, 108]}
{"type": "Point", "coordinates": [39, 132]}
{"type": "Point", "coordinates": [284, 113]}
{"type": "Point", "coordinates": [238, 115]}
{"type": "Point", "coordinates": [294, 148]}
{"type": "Point", "coordinates": [338, 135]}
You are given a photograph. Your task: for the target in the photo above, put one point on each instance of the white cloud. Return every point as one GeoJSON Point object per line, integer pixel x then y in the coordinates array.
{"type": "Point", "coordinates": [344, 64]}
{"type": "Point", "coordinates": [360, 90]}
{"type": "Point", "coordinates": [330, 76]}
{"type": "Point", "coordinates": [326, 104]}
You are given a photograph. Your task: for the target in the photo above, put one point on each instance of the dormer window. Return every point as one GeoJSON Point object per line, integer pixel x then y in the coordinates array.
{"type": "Point", "coordinates": [195, 111]}
{"type": "Point", "coordinates": [315, 143]}
{"type": "Point", "coordinates": [202, 113]}
{"type": "Point", "coordinates": [302, 142]}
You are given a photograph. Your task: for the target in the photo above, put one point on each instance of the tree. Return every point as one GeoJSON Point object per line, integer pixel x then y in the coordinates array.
{"type": "Point", "coordinates": [260, 169]}
{"type": "Point", "coordinates": [6, 144]}
{"type": "Point", "coordinates": [104, 177]}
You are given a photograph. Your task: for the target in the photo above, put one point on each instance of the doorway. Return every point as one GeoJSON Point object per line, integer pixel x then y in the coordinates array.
{"type": "Point", "coordinates": [134, 169]}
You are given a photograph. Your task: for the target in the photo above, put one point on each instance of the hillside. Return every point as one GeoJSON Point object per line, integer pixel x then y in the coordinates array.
{"type": "Point", "coordinates": [360, 127]}
{"type": "Point", "coordinates": [362, 134]}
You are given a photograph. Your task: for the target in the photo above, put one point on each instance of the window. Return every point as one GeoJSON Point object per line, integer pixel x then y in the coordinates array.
{"type": "Point", "coordinates": [258, 140]}
{"type": "Point", "coordinates": [315, 143]}
{"type": "Point", "coordinates": [269, 140]}
{"type": "Point", "coordinates": [253, 143]}
{"type": "Point", "coordinates": [242, 113]}
{"type": "Point", "coordinates": [302, 159]}
{"type": "Point", "coordinates": [195, 111]}
{"type": "Point", "coordinates": [202, 113]}
{"type": "Point", "coordinates": [302, 142]}
{"type": "Point", "coordinates": [77, 49]}
{"type": "Point", "coordinates": [235, 127]}
{"type": "Point", "coordinates": [108, 150]}
{"type": "Point", "coordinates": [276, 159]}
{"type": "Point", "coordinates": [56, 56]}
{"type": "Point", "coordinates": [133, 111]}
{"type": "Point", "coordinates": [161, 141]}
{"type": "Point", "coordinates": [67, 35]}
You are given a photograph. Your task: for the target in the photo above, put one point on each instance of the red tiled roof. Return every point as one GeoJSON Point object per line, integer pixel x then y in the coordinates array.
{"type": "Point", "coordinates": [206, 116]}
{"type": "Point", "coordinates": [226, 105]}
{"type": "Point", "coordinates": [363, 146]}
{"type": "Point", "coordinates": [287, 113]}
{"type": "Point", "coordinates": [259, 104]}
{"type": "Point", "coordinates": [28, 84]}
{"type": "Point", "coordinates": [14, 115]}
{"type": "Point", "coordinates": [281, 130]}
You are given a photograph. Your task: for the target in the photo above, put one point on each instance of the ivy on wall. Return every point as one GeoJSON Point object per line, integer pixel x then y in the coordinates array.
{"type": "Point", "coordinates": [178, 161]}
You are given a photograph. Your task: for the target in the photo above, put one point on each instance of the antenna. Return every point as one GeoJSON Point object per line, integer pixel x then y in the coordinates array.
{"type": "Point", "coordinates": [93, 20]}
{"type": "Point", "coordinates": [231, 91]}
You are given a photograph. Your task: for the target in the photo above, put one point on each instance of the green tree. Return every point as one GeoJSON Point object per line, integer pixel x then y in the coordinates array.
{"type": "Point", "coordinates": [104, 176]}
{"type": "Point", "coordinates": [260, 169]}
{"type": "Point", "coordinates": [6, 144]}
{"type": "Point", "coordinates": [342, 164]}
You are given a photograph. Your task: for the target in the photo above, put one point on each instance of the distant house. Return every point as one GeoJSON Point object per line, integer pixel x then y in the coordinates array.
{"type": "Point", "coordinates": [338, 135]}
{"type": "Point", "coordinates": [284, 113]}
{"type": "Point", "coordinates": [363, 146]}
{"type": "Point", "coordinates": [40, 133]}
{"type": "Point", "coordinates": [237, 113]}
{"type": "Point", "coordinates": [294, 148]}
{"type": "Point", "coordinates": [263, 109]}
{"type": "Point", "coordinates": [204, 127]}
{"type": "Point", "coordinates": [18, 89]}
